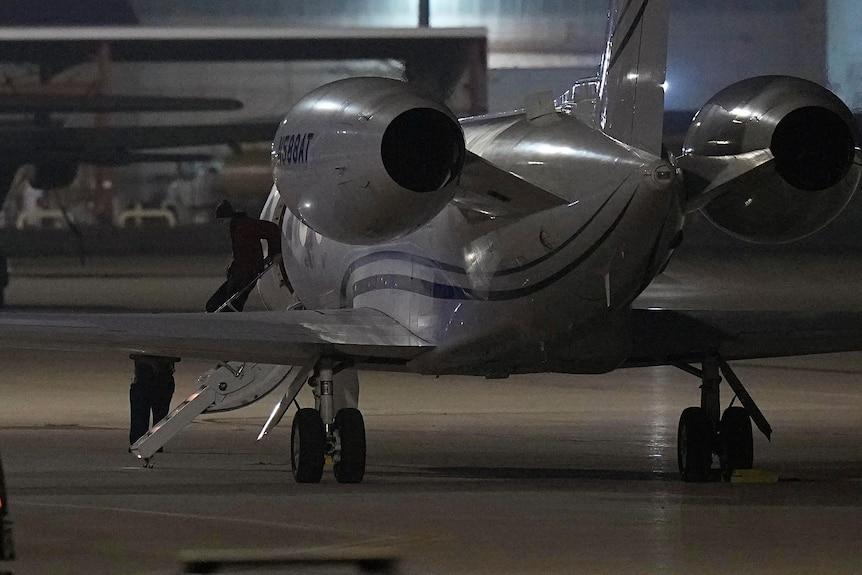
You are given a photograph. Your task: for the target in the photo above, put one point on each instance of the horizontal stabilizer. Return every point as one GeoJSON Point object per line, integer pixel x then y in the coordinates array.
{"type": "Point", "coordinates": [489, 190]}
{"type": "Point", "coordinates": [708, 176]}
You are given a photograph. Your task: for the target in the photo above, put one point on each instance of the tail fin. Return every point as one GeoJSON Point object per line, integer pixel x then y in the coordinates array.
{"type": "Point", "coordinates": [631, 81]}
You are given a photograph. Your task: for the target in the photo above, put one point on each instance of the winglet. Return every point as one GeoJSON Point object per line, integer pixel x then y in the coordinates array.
{"type": "Point", "coordinates": [631, 81]}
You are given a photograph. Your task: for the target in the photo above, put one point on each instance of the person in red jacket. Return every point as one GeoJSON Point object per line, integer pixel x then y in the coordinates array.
{"type": "Point", "coordinates": [245, 236]}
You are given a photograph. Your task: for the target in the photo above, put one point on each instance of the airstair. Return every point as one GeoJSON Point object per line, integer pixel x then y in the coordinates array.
{"type": "Point", "coordinates": [228, 386]}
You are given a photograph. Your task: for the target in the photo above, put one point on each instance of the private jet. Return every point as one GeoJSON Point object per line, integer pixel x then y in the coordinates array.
{"type": "Point", "coordinates": [513, 243]}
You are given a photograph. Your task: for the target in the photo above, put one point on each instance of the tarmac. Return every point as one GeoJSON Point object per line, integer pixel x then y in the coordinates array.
{"type": "Point", "coordinates": [536, 474]}
{"type": "Point", "coordinates": [116, 282]}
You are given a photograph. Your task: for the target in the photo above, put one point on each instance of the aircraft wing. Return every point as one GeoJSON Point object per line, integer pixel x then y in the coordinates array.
{"type": "Point", "coordinates": [664, 336]}
{"type": "Point", "coordinates": [748, 305]}
{"type": "Point", "coordinates": [288, 337]}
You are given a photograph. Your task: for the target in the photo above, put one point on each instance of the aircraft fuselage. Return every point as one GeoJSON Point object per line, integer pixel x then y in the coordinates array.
{"type": "Point", "coordinates": [501, 295]}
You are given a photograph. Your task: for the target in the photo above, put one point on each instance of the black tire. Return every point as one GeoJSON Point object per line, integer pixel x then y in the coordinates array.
{"type": "Point", "coordinates": [694, 445]}
{"type": "Point", "coordinates": [737, 441]}
{"type": "Point", "coordinates": [307, 446]}
{"type": "Point", "coordinates": [349, 466]}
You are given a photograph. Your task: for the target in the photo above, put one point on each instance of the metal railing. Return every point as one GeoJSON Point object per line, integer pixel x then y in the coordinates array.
{"type": "Point", "coordinates": [227, 304]}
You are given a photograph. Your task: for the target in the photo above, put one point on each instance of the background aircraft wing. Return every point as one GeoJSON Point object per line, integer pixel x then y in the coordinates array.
{"type": "Point", "coordinates": [113, 145]}
{"type": "Point", "coordinates": [287, 337]}
{"type": "Point", "coordinates": [35, 103]}
{"type": "Point", "coordinates": [434, 58]}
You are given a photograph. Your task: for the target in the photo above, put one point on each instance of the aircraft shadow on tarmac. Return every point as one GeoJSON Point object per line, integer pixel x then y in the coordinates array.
{"type": "Point", "coordinates": [533, 473]}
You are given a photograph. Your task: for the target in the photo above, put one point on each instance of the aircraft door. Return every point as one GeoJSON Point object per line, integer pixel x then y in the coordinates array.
{"type": "Point", "coordinates": [274, 286]}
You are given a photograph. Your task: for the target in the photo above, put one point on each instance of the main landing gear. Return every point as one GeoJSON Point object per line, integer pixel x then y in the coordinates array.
{"type": "Point", "coordinates": [704, 431]}
{"type": "Point", "coordinates": [321, 433]}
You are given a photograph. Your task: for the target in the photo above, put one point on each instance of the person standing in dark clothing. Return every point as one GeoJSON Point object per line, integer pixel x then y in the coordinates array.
{"type": "Point", "coordinates": [245, 236]}
{"type": "Point", "coordinates": [150, 393]}
{"type": "Point", "coordinates": [4, 277]}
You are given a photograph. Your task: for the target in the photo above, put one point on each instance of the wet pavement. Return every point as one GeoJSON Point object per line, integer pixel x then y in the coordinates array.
{"type": "Point", "coordinates": [535, 474]}
{"type": "Point", "coordinates": [545, 474]}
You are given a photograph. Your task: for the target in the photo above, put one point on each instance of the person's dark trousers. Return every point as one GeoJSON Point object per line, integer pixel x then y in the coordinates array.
{"type": "Point", "coordinates": [234, 283]}
{"type": "Point", "coordinates": [220, 296]}
{"type": "Point", "coordinates": [161, 401]}
{"type": "Point", "coordinates": [139, 408]}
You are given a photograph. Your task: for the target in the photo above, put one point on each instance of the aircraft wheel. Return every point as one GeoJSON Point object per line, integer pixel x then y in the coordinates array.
{"type": "Point", "coordinates": [307, 446]}
{"type": "Point", "coordinates": [694, 445]}
{"type": "Point", "coordinates": [349, 465]}
{"type": "Point", "coordinates": [737, 441]}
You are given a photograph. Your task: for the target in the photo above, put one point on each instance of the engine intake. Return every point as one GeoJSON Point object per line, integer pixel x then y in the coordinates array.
{"type": "Point", "coordinates": [421, 164]}
{"type": "Point", "coordinates": [366, 160]}
{"type": "Point", "coordinates": [813, 148]}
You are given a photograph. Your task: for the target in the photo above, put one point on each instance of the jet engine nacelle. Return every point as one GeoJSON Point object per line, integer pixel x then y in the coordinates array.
{"type": "Point", "coordinates": [365, 160]}
{"type": "Point", "coordinates": [771, 159]}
